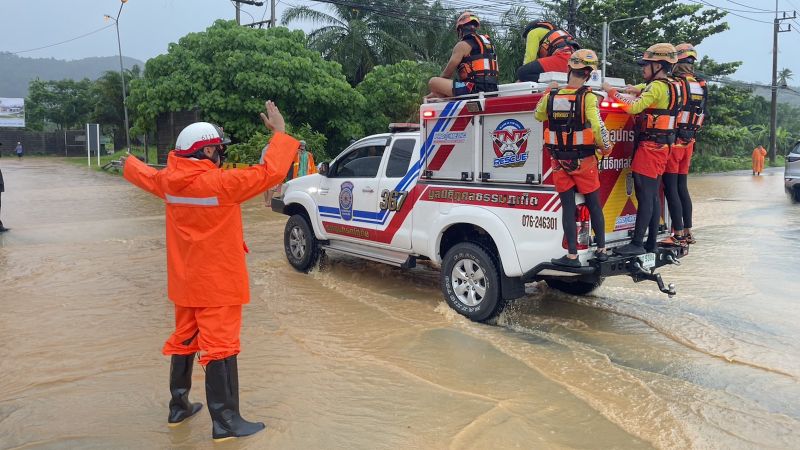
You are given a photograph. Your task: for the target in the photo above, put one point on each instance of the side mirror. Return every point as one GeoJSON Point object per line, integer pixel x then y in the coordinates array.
{"type": "Point", "coordinates": [323, 168]}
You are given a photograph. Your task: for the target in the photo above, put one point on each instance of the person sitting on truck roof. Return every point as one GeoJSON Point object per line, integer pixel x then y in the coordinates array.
{"type": "Point", "coordinates": [656, 111]}
{"type": "Point", "coordinates": [574, 131]}
{"type": "Point", "coordinates": [547, 49]}
{"type": "Point", "coordinates": [475, 59]}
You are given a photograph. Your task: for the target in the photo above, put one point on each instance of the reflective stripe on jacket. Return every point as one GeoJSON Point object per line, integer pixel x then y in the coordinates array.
{"type": "Point", "coordinates": [205, 241]}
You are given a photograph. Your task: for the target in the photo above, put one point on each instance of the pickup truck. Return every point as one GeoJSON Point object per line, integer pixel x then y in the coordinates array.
{"type": "Point", "coordinates": [470, 190]}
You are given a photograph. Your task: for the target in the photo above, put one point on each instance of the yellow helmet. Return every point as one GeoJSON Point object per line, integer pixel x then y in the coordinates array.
{"type": "Point", "coordinates": [661, 52]}
{"type": "Point", "coordinates": [686, 51]}
{"type": "Point", "coordinates": [582, 59]}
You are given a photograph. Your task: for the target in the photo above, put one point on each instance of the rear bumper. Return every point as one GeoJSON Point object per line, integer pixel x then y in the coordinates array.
{"type": "Point", "coordinates": [616, 265]}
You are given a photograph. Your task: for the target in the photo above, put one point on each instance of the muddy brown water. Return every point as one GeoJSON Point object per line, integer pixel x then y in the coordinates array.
{"type": "Point", "coordinates": [364, 356]}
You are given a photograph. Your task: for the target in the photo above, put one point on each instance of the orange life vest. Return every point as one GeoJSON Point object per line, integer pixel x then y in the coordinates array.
{"type": "Point", "coordinates": [568, 135]}
{"type": "Point", "coordinates": [695, 94]}
{"type": "Point", "coordinates": [660, 125]}
{"type": "Point", "coordinates": [554, 40]}
{"type": "Point", "coordinates": [481, 64]}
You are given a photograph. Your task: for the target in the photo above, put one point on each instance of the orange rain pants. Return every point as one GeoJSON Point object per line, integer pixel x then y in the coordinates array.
{"type": "Point", "coordinates": [758, 159]}
{"type": "Point", "coordinates": [212, 330]}
{"type": "Point", "coordinates": [650, 159]}
{"type": "Point", "coordinates": [585, 179]}
{"type": "Point", "coordinates": [680, 157]}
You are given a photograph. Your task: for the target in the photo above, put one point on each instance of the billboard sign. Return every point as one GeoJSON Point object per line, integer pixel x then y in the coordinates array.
{"type": "Point", "coordinates": [12, 112]}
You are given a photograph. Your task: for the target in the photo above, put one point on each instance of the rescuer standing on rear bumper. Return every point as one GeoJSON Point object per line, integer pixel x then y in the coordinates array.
{"type": "Point", "coordinates": [656, 113]}
{"type": "Point", "coordinates": [207, 273]}
{"type": "Point", "coordinates": [574, 131]}
{"type": "Point", "coordinates": [473, 57]}
{"type": "Point", "coordinates": [690, 120]}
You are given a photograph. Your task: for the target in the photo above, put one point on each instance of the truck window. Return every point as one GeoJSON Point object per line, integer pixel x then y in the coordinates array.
{"type": "Point", "coordinates": [362, 162]}
{"type": "Point", "coordinates": [399, 157]}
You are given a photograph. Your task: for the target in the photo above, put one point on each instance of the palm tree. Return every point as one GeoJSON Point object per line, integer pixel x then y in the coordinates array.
{"type": "Point", "coordinates": [784, 76]}
{"type": "Point", "coordinates": [357, 38]}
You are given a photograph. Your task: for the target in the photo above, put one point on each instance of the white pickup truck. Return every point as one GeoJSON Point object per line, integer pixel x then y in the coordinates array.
{"type": "Point", "coordinates": [469, 189]}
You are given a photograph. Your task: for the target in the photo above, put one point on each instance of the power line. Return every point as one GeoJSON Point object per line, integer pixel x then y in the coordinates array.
{"type": "Point", "coordinates": [703, 2]}
{"type": "Point", "coordinates": [64, 42]}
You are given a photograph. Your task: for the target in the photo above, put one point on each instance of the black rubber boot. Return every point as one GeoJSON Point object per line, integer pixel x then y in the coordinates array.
{"type": "Point", "coordinates": [180, 383]}
{"type": "Point", "coordinates": [630, 250]}
{"type": "Point", "coordinates": [566, 261]}
{"type": "Point", "coordinates": [222, 395]}
{"type": "Point", "coordinates": [600, 256]}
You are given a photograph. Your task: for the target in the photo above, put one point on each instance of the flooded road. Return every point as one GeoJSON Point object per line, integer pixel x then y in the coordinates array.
{"type": "Point", "coordinates": [363, 356]}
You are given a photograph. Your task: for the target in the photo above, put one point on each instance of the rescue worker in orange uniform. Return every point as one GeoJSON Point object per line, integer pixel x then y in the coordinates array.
{"type": "Point", "coordinates": [690, 120]}
{"type": "Point", "coordinates": [547, 49]}
{"type": "Point", "coordinates": [303, 164]}
{"type": "Point", "coordinates": [758, 160]}
{"type": "Point", "coordinates": [474, 59]}
{"type": "Point", "coordinates": [656, 111]}
{"type": "Point", "coordinates": [206, 269]}
{"type": "Point", "coordinates": [574, 132]}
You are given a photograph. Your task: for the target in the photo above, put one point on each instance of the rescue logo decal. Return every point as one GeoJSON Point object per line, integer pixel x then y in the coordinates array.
{"type": "Point", "coordinates": [346, 201]}
{"type": "Point", "coordinates": [510, 143]}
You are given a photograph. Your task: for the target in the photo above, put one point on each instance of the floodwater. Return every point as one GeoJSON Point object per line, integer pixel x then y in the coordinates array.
{"type": "Point", "coordinates": [363, 356]}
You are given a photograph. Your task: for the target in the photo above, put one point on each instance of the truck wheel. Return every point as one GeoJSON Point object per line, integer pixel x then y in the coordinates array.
{"type": "Point", "coordinates": [300, 244]}
{"type": "Point", "coordinates": [574, 287]}
{"type": "Point", "coordinates": [796, 193]}
{"type": "Point", "coordinates": [471, 282]}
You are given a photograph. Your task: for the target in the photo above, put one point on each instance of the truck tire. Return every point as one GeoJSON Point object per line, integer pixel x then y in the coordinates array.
{"type": "Point", "coordinates": [796, 193]}
{"type": "Point", "coordinates": [300, 244]}
{"type": "Point", "coordinates": [574, 287]}
{"type": "Point", "coordinates": [470, 282]}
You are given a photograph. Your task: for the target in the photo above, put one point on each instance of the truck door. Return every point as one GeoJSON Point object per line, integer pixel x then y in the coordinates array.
{"type": "Point", "coordinates": [395, 184]}
{"type": "Point", "coordinates": [348, 196]}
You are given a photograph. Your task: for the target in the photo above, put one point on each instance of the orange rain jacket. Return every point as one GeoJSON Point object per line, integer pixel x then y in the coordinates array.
{"type": "Point", "coordinates": [205, 241]}
{"type": "Point", "coordinates": [758, 159]}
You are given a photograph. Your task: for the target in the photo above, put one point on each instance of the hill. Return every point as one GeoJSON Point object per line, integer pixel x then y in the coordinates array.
{"type": "Point", "coordinates": [18, 71]}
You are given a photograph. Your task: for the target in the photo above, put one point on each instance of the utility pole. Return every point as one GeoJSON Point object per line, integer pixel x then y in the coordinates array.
{"type": "Point", "coordinates": [773, 116]}
{"type": "Point", "coordinates": [573, 10]}
{"type": "Point", "coordinates": [272, 18]}
{"type": "Point", "coordinates": [238, 13]}
{"type": "Point", "coordinates": [237, 4]}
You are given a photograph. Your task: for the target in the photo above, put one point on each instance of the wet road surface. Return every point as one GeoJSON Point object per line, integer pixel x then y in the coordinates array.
{"type": "Point", "coordinates": [361, 355]}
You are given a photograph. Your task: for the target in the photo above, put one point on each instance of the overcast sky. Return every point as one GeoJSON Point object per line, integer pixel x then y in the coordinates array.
{"type": "Point", "coordinates": [147, 26]}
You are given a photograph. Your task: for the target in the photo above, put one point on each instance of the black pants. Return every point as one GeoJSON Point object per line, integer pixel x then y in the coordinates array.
{"type": "Point", "coordinates": [1, 209]}
{"type": "Point", "coordinates": [648, 216]}
{"type": "Point", "coordinates": [568, 217]}
{"type": "Point", "coordinates": [530, 71]}
{"type": "Point", "coordinates": [680, 203]}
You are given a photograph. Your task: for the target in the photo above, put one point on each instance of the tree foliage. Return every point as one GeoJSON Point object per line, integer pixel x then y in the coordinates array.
{"type": "Point", "coordinates": [393, 93]}
{"type": "Point", "coordinates": [65, 103]}
{"type": "Point", "coordinates": [228, 71]}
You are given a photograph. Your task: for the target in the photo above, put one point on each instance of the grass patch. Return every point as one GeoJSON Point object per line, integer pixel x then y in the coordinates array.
{"type": "Point", "coordinates": [711, 164]}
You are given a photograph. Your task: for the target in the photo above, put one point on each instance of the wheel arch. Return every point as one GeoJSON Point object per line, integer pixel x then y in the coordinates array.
{"type": "Point", "coordinates": [465, 224]}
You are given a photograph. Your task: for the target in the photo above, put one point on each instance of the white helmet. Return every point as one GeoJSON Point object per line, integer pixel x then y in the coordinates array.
{"type": "Point", "coordinates": [199, 135]}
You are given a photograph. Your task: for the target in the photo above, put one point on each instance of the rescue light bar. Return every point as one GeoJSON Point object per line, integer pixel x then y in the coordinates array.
{"type": "Point", "coordinates": [428, 114]}
{"type": "Point", "coordinates": [607, 104]}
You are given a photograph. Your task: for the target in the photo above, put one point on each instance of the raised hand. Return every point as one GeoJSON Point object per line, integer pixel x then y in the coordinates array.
{"type": "Point", "coordinates": [273, 119]}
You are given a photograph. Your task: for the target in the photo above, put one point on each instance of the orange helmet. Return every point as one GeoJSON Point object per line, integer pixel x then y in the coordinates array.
{"type": "Point", "coordinates": [582, 59]}
{"type": "Point", "coordinates": [685, 52]}
{"type": "Point", "coordinates": [465, 18]}
{"type": "Point", "coordinates": [663, 52]}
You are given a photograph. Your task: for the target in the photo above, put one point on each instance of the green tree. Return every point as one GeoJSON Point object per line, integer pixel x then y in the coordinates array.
{"type": "Point", "coordinates": [672, 21]}
{"type": "Point", "coordinates": [393, 93]}
{"type": "Point", "coordinates": [784, 76]}
{"type": "Point", "coordinates": [65, 103]}
{"type": "Point", "coordinates": [357, 38]}
{"type": "Point", "coordinates": [107, 100]}
{"type": "Point", "coordinates": [228, 71]}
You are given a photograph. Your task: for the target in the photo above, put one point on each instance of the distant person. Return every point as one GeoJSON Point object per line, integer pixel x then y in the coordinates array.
{"type": "Point", "coordinates": [473, 57]}
{"type": "Point", "coordinates": [303, 164]}
{"type": "Point", "coordinates": [206, 267]}
{"type": "Point", "coordinates": [2, 189]}
{"type": "Point", "coordinates": [758, 160]}
{"type": "Point", "coordinates": [19, 150]}
{"type": "Point", "coordinates": [547, 49]}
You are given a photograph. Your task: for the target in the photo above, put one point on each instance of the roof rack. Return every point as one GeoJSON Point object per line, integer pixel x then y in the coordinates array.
{"type": "Point", "coordinates": [401, 127]}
